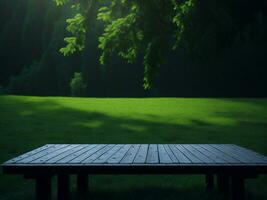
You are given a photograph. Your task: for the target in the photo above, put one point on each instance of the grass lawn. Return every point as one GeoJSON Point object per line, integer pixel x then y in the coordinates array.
{"type": "Point", "coordinates": [29, 122]}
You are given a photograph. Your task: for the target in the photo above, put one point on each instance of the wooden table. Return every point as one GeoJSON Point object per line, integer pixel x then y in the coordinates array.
{"type": "Point", "coordinates": [230, 163]}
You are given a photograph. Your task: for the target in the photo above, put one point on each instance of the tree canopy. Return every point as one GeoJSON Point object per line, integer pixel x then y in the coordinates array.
{"type": "Point", "coordinates": [132, 29]}
{"type": "Point", "coordinates": [221, 49]}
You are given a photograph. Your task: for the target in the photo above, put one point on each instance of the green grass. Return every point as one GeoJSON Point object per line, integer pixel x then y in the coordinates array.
{"type": "Point", "coordinates": [29, 122]}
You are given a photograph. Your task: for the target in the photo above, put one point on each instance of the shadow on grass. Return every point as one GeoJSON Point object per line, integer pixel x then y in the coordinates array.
{"type": "Point", "coordinates": [166, 193]}
{"type": "Point", "coordinates": [155, 193]}
{"type": "Point", "coordinates": [35, 123]}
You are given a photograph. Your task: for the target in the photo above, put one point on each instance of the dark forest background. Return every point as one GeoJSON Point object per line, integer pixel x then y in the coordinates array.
{"type": "Point", "coordinates": [223, 54]}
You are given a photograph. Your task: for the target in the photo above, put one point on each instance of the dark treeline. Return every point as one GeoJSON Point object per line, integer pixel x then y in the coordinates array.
{"type": "Point", "coordinates": [223, 53]}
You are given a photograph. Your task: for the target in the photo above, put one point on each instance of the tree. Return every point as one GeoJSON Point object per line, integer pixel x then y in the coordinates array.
{"type": "Point", "coordinates": [78, 85]}
{"type": "Point", "coordinates": [131, 29]}
{"type": "Point", "coordinates": [220, 40]}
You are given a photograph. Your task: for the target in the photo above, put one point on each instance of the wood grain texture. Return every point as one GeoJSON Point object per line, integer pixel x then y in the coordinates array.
{"type": "Point", "coordinates": [163, 155]}
{"type": "Point", "coordinates": [186, 157]}
{"type": "Point", "coordinates": [141, 154]}
{"type": "Point", "coordinates": [130, 155]}
{"type": "Point", "coordinates": [116, 158]}
{"type": "Point", "coordinates": [152, 154]}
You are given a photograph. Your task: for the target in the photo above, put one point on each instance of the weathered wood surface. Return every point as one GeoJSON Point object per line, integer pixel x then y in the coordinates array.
{"type": "Point", "coordinates": [136, 155]}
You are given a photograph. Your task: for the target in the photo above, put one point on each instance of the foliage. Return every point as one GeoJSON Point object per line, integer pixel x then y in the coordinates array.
{"type": "Point", "coordinates": [76, 27]}
{"type": "Point", "coordinates": [26, 82]}
{"type": "Point", "coordinates": [220, 40]}
{"type": "Point", "coordinates": [131, 28]}
{"type": "Point", "coordinates": [149, 29]}
{"type": "Point", "coordinates": [77, 85]}
{"type": "Point", "coordinates": [2, 90]}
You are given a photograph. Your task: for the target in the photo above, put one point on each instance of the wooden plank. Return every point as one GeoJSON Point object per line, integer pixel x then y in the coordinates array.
{"type": "Point", "coordinates": [198, 154]}
{"type": "Point", "coordinates": [141, 154]}
{"type": "Point", "coordinates": [97, 154]}
{"type": "Point", "coordinates": [117, 157]}
{"type": "Point", "coordinates": [65, 153]}
{"type": "Point", "coordinates": [87, 154]}
{"type": "Point", "coordinates": [234, 154]}
{"type": "Point", "coordinates": [163, 155]}
{"type": "Point", "coordinates": [250, 155]}
{"type": "Point", "coordinates": [251, 152]}
{"type": "Point", "coordinates": [188, 154]}
{"type": "Point", "coordinates": [220, 154]}
{"type": "Point", "coordinates": [30, 153]}
{"type": "Point", "coordinates": [42, 153]}
{"type": "Point", "coordinates": [104, 157]}
{"type": "Point", "coordinates": [170, 153]}
{"type": "Point", "coordinates": [152, 155]}
{"type": "Point", "coordinates": [47, 157]}
{"type": "Point", "coordinates": [76, 154]}
{"type": "Point", "coordinates": [211, 155]}
{"type": "Point", "coordinates": [250, 158]}
{"type": "Point", "coordinates": [179, 155]}
{"type": "Point", "coordinates": [131, 154]}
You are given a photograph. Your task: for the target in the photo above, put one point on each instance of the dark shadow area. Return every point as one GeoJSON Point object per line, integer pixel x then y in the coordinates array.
{"type": "Point", "coordinates": [155, 193]}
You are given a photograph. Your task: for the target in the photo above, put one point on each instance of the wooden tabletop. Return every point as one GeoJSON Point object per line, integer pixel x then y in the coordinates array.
{"type": "Point", "coordinates": [130, 155]}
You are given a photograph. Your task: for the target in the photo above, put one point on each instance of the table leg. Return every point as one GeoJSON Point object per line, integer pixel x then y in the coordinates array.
{"type": "Point", "coordinates": [43, 187]}
{"type": "Point", "coordinates": [63, 186]}
{"type": "Point", "coordinates": [82, 183]}
{"type": "Point", "coordinates": [223, 183]}
{"type": "Point", "coordinates": [209, 181]}
{"type": "Point", "coordinates": [238, 188]}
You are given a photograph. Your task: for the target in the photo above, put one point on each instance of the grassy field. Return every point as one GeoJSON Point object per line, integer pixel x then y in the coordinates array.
{"type": "Point", "coordinates": [29, 122]}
